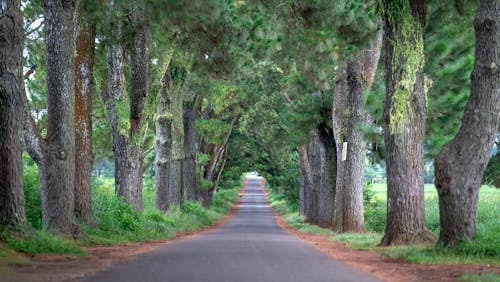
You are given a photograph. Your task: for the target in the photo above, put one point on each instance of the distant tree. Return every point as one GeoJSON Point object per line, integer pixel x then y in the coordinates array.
{"type": "Point", "coordinates": [12, 211]}
{"type": "Point", "coordinates": [460, 165]}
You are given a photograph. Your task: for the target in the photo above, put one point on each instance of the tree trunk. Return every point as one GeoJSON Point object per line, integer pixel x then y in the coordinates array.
{"type": "Point", "coordinates": [176, 192]}
{"type": "Point", "coordinates": [326, 208]}
{"type": "Point", "coordinates": [306, 180]}
{"type": "Point", "coordinates": [163, 124]}
{"type": "Point", "coordinates": [460, 166]}
{"type": "Point", "coordinates": [116, 98]}
{"type": "Point", "coordinates": [58, 201]}
{"type": "Point", "coordinates": [189, 177]}
{"type": "Point", "coordinates": [315, 156]}
{"type": "Point", "coordinates": [84, 67]}
{"type": "Point", "coordinates": [128, 142]}
{"type": "Point", "coordinates": [139, 90]}
{"type": "Point", "coordinates": [338, 125]}
{"type": "Point", "coordinates": [350, 179]}
{"type": "Point", "coordinates": [405, 110]}
{"type": "Point", "coordinates": [12, 212]}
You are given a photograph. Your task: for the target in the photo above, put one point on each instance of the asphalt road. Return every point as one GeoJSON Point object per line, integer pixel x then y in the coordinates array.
{"type": "Point", "coordinates": [250, 247]}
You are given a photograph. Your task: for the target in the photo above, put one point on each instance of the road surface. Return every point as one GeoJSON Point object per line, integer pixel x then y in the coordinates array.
{"type": "Point", "coordinates": [250, 247]}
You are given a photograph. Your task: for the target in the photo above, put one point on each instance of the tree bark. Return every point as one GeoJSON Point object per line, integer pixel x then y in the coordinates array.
{"type": "Point", "coordinates": [84, 68]}
{"type": "Point", "coordinates": [189, 172]}
{"type": "Point", "coordinates": [405, 111]}
{"type": "Point", "coordinates": [12, 210]}
{"type": "Point", "coordinates": [350, 179]}
{"type": "Point", "coordinates": [315, 156]}
{"type": "Point", "coordinates": [460, 165]}
{"type": "Point", "coordinates": [306, 181]}
{"type": "Point", "coordinates": [139, 90]}
{"type": "Point", "coordinates": [58, 201]}
{"type": "Point", "coordinates": [163, 124]}
{"type": "Point", "coordinates": [327, 195]}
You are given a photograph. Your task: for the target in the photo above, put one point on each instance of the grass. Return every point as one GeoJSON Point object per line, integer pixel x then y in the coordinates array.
{"type": "Point", "coordinates": [485, 249]}
{"type": "Point", "coordinates": [116, 221]}
{"type": "Point", "coordinates": [485, 277]}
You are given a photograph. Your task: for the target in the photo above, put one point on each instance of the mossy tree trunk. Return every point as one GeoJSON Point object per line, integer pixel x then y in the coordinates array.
{"type": "Point", "coordinates": [170, 139]}
{"type": "Point", "coordinates": [12, 211]}
{"type": "Point", "coordinates": [84, 68]}
{"type": "Point", "coordinates": [460, 165]}
{"type": "Point", "coordinates": [405, 111]}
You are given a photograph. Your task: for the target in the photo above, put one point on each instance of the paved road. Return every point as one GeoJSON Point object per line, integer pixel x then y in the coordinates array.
{"type": "Point", "coordinates": [250, 247]}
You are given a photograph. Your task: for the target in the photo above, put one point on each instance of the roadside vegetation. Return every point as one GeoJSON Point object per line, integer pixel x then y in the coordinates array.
{"type": "Point", "coordinates": [485, 249]}
{"type": "Point", "coordinates": [116, 222]}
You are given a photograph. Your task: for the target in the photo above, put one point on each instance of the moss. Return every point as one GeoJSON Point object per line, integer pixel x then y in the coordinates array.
{"type": "Point", "coordinates": [407, 61]}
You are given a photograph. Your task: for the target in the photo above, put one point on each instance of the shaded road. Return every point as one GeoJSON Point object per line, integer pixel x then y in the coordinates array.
{"type": "Point", "coordinates": [250, 247]}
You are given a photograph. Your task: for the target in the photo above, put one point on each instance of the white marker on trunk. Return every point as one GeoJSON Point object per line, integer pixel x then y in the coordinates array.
{"type": "Point", "coordinates": [344, 151]}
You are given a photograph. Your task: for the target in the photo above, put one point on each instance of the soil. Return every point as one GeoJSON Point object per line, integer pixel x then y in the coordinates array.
{"type": "Point", "coordinates": [57, 267]}
{"type": "Point", "coordinates": [385, 268]}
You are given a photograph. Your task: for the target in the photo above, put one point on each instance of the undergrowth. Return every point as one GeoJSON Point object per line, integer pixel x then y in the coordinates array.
{"type": "Point", "coordinates": [116, 222]}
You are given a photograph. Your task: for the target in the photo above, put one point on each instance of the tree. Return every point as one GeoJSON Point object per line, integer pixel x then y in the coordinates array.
{"type": "Point", "coordinates": [126, 113]}
{"type": "Point", "coordinates": [349, 118]}
{"type": "Point", "coordinates": [55, 154]}
{"type": "Point", "coordinates": [460, 165]}
{"type": "Point", "coordinates": [12, 213]}
{"type": "Point", "coordinates": [404, 121]}
{"type": "Point", "coordinates": [169, 139]}
{"type": "Point", "coordinates": [84, 78]}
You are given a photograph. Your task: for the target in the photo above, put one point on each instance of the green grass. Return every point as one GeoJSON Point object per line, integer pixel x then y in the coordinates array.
{"type": "Point", "coordinates": [485, 277]}
{"type": "Point", "coordinates": [116, 221]}
{"type": "Point", "coordinates": [40, 242]}
{"type": "Point", "coordinates": [485, 249]}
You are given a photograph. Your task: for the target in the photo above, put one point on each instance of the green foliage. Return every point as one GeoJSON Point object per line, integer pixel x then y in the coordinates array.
{"type": "Point", "coordinates": [32, 192]}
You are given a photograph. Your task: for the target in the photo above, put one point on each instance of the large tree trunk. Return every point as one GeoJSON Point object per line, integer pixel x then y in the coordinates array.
{"type": "Point", "coordinates": [163, 124]}
{"type": "Point", "coordinates": [459, 167]}
{"type": "Point", "coordinates": [12, 212]}
{"type": "Point", "coordinates": [350, 179]}
{"type": "Point", "coordinates": [170, 141]}
{"type": "Point", "coordinates": [84, 68]}
{"type": "Point", "coordinates": [326, 208]}
{"type": "Point", "coordinates": [405, 113]}
{"type": "Point", "coordinates": [189, 177]}
{"type": "Point", "coordinates": [58, 202]}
